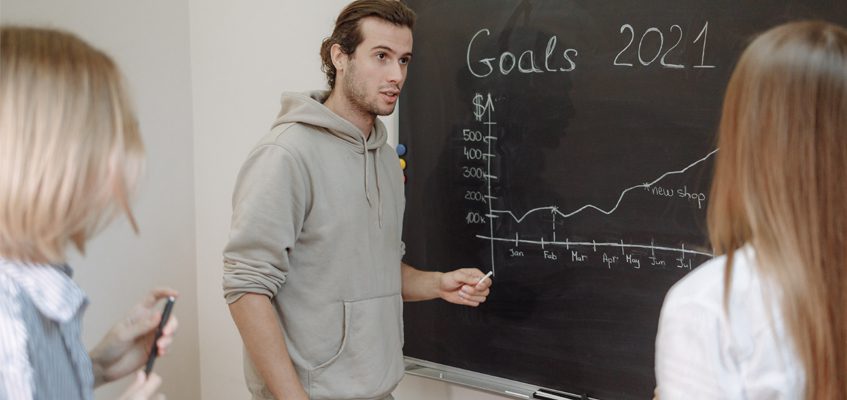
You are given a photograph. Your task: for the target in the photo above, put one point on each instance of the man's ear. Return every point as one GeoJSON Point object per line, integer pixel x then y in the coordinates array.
{"type": "Point", "coordinates": [339, 59]}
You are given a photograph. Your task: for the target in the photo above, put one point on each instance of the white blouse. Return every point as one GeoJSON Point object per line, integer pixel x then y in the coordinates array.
{"type": "Point", "coordinates": [703, 353]}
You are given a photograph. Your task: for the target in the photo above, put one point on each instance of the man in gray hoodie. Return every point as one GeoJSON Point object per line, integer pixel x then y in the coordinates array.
{"type": "Point", "coordinates": [312, 271]}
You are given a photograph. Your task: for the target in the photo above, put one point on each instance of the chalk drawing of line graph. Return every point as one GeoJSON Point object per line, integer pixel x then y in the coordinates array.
{"type": "Point", "coordinates": [485, 110]}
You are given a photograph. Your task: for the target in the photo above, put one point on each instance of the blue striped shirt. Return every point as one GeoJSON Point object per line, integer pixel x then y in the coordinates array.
{"type": "Point", "coordinates": [42, 356]}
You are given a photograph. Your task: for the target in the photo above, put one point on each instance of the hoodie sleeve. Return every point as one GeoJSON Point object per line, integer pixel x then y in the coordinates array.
{"type": "Point", "coordinates": [269, 207]}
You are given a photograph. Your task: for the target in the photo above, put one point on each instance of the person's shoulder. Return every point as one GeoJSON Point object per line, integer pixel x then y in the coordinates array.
{"type": "Point", "coordinates": [702, 286]}
{"type": "Point", "coordinates": [10, 288]}
{"type": "Point", "coordinates": [284, 141]}
{"type": "Point", "coordinates": [706, 283]}
{"type": "Point", "coordinates": [288, 135]}
{"type": "Point", "coordinates": [47, 287]}
{"type": "Point", "coordinates": [8, 274]}
{"type": "Point", "coordinates": [705, 280]}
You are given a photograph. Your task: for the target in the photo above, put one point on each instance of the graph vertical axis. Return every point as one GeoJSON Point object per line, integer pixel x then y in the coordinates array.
{"type": "Point", "coordinates": [488, 157]}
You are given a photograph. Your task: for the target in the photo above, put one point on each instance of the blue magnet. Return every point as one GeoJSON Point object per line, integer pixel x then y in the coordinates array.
{"type": "Point", "coordinates": [401, 149]}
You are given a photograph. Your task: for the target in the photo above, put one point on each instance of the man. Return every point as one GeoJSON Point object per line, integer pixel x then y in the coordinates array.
{"type": "Point", "coordinates": [312, 272]}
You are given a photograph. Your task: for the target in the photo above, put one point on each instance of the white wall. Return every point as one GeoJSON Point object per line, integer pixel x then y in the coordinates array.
{"type": "Point", "coordinates": [149, 42]}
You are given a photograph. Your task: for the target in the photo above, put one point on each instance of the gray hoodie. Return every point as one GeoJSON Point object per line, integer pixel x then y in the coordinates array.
{"type": "Point", "coordinates": [316, 226]}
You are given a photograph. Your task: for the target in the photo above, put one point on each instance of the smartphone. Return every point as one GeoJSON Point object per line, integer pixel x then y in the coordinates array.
{"type": "Point", "coordinates": [154, 350]}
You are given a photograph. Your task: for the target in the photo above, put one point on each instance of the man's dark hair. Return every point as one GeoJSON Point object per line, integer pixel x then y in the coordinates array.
{"type": "Point", "coordinates": [348, 33]}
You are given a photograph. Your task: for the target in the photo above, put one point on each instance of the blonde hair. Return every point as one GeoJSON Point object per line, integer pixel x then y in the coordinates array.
{"type": "Point", "coordinates": [70, 150]}
{"type": "Point", "coordinates": [779, 186]}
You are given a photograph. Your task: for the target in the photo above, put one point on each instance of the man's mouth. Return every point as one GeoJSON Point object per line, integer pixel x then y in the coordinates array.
{"type": "Point", "coordinates": [392, 93]}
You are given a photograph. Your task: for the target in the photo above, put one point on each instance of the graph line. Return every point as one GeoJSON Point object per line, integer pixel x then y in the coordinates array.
{"type": "Point", "coordinates": [555, 209]}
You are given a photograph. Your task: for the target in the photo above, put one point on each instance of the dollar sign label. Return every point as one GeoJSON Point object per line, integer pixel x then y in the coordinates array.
{"type": "Point", "coordinates": [481, 105]}
{"type": "Point", "coordinates": [479, 109]}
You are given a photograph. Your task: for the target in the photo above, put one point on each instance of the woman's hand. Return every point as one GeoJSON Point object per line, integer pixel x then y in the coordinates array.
{"type": "Point", "coordinates": [144, 388]}
{"type": "Point", "coordinates": [125, 348]}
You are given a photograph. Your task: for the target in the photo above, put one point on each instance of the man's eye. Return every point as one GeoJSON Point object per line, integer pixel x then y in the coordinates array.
{"type": "Point", "coordinates": [404, 60]}
{"type": "Point", "coordinates": [380, 56]}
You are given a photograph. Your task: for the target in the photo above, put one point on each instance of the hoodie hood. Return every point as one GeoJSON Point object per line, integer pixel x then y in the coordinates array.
{"type": "Point", "coordinates": [308, 108]}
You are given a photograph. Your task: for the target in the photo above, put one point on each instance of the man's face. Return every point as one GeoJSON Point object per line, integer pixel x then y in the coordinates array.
{"type": "Point", "coordinates": [377, 68]}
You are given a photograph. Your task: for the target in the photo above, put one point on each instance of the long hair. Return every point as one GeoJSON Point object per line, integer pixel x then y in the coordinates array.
{"type": "Point", "coordinates": [779, 186]}
{"type": "Point", "coordinates": [348, 34]}
{"type": "Point", "coordinates": [70, 150]}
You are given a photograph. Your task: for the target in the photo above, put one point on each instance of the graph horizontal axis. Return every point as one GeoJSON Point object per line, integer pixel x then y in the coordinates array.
{"type": "Point", "coordinates": [568, 243]}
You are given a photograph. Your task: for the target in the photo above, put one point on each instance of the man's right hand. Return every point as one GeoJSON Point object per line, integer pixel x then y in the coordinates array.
{"type": "Point", "coordinates": [261, 332]}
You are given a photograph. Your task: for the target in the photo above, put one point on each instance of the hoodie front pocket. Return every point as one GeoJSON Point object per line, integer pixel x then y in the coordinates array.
{"type": "Point", "coordinates": [369, 363]}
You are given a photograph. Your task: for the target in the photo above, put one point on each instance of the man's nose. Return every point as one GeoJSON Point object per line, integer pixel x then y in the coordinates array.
{"type": "Point", "coordinates": [396, 73]}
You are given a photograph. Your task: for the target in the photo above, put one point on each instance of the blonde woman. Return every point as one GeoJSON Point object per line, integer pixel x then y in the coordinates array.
{"type": "Point", "coordinates": [70, 153]}
{"type": "Point", "coordinates": [768, 318]}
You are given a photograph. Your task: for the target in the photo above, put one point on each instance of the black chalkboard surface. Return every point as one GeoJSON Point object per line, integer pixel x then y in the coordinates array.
{"type": "Point", "coordinates": [568, 146]}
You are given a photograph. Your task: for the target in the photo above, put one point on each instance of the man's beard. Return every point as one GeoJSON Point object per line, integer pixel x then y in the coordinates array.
{"type": "Point", "coordinates": [357, 95]}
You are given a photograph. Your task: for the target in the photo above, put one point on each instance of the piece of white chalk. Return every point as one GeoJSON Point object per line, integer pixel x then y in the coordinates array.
{"type": "Point", "coordinates": [483, 278]}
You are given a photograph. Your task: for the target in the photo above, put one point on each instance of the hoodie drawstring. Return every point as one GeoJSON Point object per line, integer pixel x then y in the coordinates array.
{"type": "Point", "coordinates": [376, 173]}
{"type": "Point", "coordinates": [378, 188]}
{"type": "Point", "coordinates": [365, 151]}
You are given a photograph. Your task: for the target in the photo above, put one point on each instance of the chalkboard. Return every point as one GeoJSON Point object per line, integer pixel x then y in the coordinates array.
{"type": "Point", "coordinates": [568, 146]}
